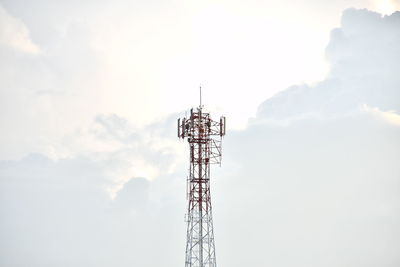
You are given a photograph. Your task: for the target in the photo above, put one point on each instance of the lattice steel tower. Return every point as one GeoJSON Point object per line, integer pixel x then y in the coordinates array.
{"type": "Point", "coordinates": [204, 136]}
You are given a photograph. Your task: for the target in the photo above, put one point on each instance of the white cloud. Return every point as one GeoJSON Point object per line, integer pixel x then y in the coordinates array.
{"type": "Point", "coordinates": [363, 55]}
{"type": "Point", "coordinates": [15, 34]}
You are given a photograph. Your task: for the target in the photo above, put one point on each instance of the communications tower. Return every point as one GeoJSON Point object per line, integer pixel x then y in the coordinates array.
{"type": "Point", "coordinates": [204, 136]}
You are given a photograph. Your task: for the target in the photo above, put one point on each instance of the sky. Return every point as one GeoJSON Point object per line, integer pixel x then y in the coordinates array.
{"type": "Point", "coordinates": [91, 170]}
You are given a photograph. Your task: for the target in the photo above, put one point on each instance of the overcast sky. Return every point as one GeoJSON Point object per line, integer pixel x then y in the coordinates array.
{"type": "Point", "coordinates": [91, 171]}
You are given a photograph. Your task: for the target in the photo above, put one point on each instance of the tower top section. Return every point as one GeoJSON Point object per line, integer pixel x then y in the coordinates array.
{"type": "Point", "coordinates": [202, 131]}
{"type": "Point", "coordinates": [199, 125]}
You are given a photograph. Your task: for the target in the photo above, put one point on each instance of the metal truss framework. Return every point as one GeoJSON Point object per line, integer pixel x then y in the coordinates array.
{"type": "Point", "coordinates": [204, 137]}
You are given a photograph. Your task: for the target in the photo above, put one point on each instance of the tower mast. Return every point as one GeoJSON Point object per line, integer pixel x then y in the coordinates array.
{"type": "Point", "coordinates": [204, 136]}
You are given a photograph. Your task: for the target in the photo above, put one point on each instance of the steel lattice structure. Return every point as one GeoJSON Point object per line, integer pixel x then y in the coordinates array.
{"type": "Point", "coordinates": [204, 136]}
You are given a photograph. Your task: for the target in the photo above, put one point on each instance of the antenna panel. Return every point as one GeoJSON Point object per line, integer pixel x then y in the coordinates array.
{"type": "Point", "coordinates": [179, 127]}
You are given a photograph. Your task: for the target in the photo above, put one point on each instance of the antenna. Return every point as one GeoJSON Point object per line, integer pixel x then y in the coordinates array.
{"type": "Point", "coordinates": [200, 97]}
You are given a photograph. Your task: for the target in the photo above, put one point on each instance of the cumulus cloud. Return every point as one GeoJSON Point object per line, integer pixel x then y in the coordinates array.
{"type": "Point", "coordinates": [363, 55]}
{"type": "Point", "coordinates": [149, 151]}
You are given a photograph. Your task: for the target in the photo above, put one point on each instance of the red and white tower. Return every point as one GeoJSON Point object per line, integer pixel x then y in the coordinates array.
{"type": "Point", "coordinates": [204, 136]}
